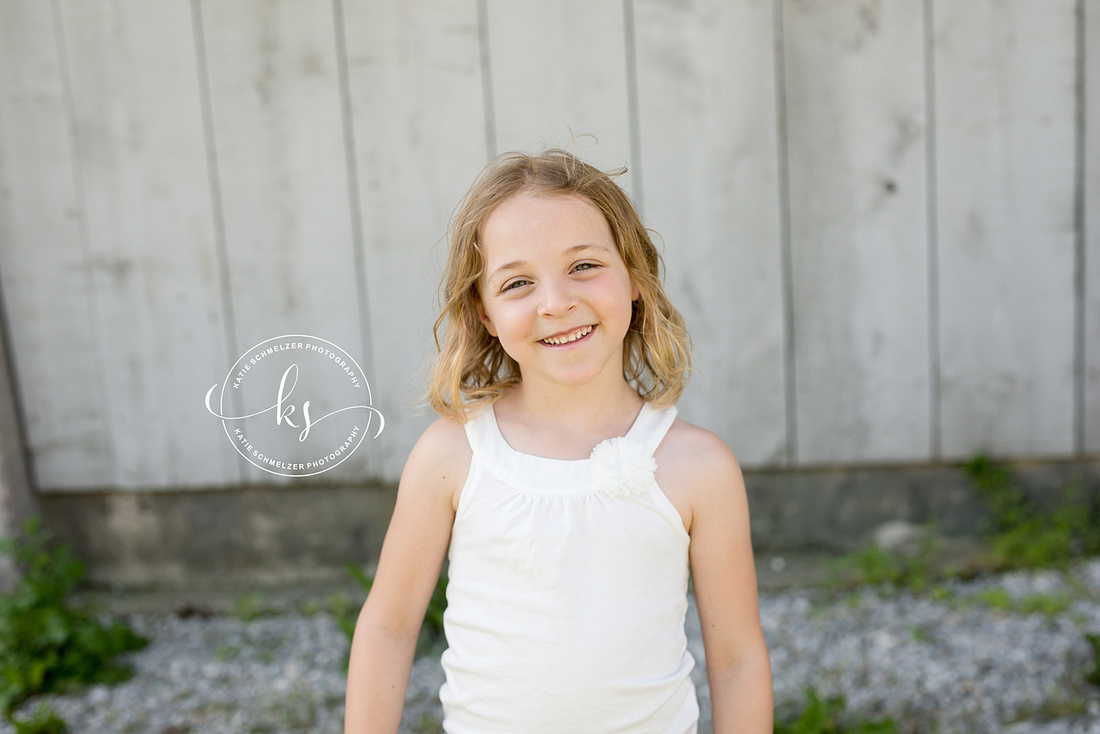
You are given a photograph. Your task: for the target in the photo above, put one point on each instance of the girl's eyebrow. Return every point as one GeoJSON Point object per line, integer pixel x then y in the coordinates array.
{"type": "Point", "coordinates": [518, 264]}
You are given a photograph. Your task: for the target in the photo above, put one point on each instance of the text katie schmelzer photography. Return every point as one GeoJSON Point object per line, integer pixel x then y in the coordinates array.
{"type": "Point", "coordinates": [295, 405]}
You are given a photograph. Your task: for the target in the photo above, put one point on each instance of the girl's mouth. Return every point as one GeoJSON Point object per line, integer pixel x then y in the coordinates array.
{"type": "Point", "coordinates": [571, 336]}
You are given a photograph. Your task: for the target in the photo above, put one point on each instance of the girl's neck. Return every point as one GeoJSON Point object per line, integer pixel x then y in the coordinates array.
{"type": "Point", "coordinates": [565, 425]}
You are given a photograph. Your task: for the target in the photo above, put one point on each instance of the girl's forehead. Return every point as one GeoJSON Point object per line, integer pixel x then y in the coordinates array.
{"type": "Point", "coordinates": [525, 214]}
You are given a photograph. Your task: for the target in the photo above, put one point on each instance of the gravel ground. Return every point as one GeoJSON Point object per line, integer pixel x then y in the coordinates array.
{"type": "Point", "coordinates": [966, 659]}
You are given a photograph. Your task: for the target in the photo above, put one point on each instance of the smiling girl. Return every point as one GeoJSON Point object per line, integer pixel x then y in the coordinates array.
{"type": "Point", "coordinates": [571, 500]}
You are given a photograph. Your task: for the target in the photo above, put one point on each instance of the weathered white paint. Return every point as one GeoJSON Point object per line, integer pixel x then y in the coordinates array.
{"type": "Point", "coordinates": [707, 118]}
{"type": "Point", "coordinates": [149, 238]}
{"type": "Point", "coordinates": [856, 141]}
{"type": "Point", "coordinates": [1091, 103]}
{"type": "Point", "coordinates": [46, 283]}
{"type": "Point", "coordinates": [110, 237]}
{"type": "Point", "coordinates": [282, 168]}
{"type": "Point", "coordinates": [415, 79]}
{"type": "Point", "coordinates": [560, 69]}
{"type": "Point", "coordinates": [1005, 83]}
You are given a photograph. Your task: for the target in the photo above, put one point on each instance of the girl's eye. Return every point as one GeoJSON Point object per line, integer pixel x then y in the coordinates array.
{"type": "Point", "coordinates": [512, 284]}
{"type": "Point", "coordinates": [585, 266]}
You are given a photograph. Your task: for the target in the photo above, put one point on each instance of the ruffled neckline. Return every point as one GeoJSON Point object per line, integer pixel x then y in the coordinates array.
{"type": "Point", "coordinates": [618, 466]}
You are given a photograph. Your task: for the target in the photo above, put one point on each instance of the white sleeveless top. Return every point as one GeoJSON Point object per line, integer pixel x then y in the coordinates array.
{"type": "Point", "coordinates": [567, 592]}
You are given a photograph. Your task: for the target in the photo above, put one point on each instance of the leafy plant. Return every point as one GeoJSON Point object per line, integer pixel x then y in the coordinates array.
{"type": "Point", "coordinates": [1047, 604]}
{"type": "Point", "coordinates": [437, 605]}
{"type": "Point", "coordinates": [341, 607]}
{"type": "Point", "coordinates": [876, 566]}
{"type": "Point", "coordinates": [249, 606]}
{"type": "Point", "coordinates": [826, 716]}
{"type": "Point", "coordinates": [1025, 536]}
{"type": "Point", "coordinates": [1093, 676]}
{"type": "Point", "coordinates": [44, 720]}
{"type": "Point", "coordinates": [45, 643]}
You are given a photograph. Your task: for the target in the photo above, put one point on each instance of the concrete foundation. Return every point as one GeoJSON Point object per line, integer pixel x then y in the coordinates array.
{"type": "Point", "coordinates": [271, 537]}
{"type": "Point", "coordinates": [252, 538]}
{"type": "Point", "coordinates": [838, 510]}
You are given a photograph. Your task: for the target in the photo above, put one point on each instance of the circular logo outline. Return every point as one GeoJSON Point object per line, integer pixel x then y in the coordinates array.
{"type": "Point", "coordinates": [237, 445]}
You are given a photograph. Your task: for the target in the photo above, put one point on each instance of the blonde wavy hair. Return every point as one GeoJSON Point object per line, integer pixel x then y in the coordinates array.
{"type": "Point", "coordinates": [471, 368]}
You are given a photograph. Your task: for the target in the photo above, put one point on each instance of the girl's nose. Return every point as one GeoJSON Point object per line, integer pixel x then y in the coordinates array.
{"type": "Point", "coordinates": [558, 298]}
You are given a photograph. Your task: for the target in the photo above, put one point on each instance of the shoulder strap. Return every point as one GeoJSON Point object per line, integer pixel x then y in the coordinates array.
{"type": "Point", "coordinates": [480, 428]}
{"type": "Point", "coordinates": [652, 425]}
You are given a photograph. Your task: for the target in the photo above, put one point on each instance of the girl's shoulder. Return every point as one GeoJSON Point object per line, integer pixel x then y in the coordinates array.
{"type": "Point", "coordinates": [444, 432]}
{"type": "Point", "coordinates": [440, 459]}
{"type": "Point", "coordinates": [689, 447]}
{"type": "Point", "coordinates": [694, 464]}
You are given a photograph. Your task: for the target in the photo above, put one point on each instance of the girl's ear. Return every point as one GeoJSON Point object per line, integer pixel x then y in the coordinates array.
{"type": "Point", "coordinates": [484, 317]}
{"type": "Point", "coordinates": [635, 294]}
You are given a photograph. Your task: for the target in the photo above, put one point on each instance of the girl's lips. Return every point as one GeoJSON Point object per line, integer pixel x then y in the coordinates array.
{"type": "Point", "coordinates": [568, 337]}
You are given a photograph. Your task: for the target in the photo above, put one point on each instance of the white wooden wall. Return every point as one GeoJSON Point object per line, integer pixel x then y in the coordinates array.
{"type": "Point", "coordinates": [881, 219]}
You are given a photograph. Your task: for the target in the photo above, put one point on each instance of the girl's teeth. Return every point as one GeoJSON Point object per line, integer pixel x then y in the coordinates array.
{"type": "Point", "coordinates": [569, 337]}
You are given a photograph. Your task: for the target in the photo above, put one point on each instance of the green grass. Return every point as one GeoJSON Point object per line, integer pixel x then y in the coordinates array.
{"type": "Point", "coordinates": [877, 567]}
{"type": "Point", "coordinates": [44, 720]}
{"type": "Point", "coordinates": [249, 606]}
{"type": "Point", "coordinates": [1092, 675]}
{"type": "Point", "coordinates": [1024, 535]}
{"type": "Point", "coordinates": [1045, 604]}
{"type": "Point", "coordinates": [828, 716]}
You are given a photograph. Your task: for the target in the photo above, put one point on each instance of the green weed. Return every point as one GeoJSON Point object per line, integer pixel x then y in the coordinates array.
{"type": "Point", "coordinates": [1025, 536]}
{"type": "Point", "coordinates": [227, 652]}
{"type": "Point", "coordinates": [941, 593]}
{"type": "Point", "coordinates": [994, 598]}
{"type": "Point", "coordinates": [1000, 600]}
{"type": "Point", "coordinates": [428, 724]}
{"type": "Point", "coordinates": [923, 635]}
{"type": "Point", "coordinates": [827, 716]}
{"type": "Point", "coordinates": [878, 567]}
{"type": "Point", "coordinates": [45, 643]}
{"type": "Point", "coordinates": [1093, 675]}
{"type": "Point", "coordinates": [437, 605]}
{"type": "Point", "coordinates": [343, 608]}
{"type": "Point", "coordinates": [44, 720]}
{"type": "Point", "coordinates": [1045, 604]}
{"type": "Point", "coordinates": [1056, 706]}
{"type": "Point", "coordinates": [249, 606]}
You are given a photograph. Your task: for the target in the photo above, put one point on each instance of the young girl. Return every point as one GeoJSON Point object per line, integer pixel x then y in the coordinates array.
{"type": "Point", "coordinates": [571, 498]}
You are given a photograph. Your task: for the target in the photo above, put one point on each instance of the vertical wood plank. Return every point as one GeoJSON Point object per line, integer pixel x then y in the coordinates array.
{"type": "Point", "coordinates": [856, 120]}
{"type": "Point", "coordinates": [1091, 193]}
{"type": "Point", "coordinates": [560, 69]}
{"type": "Point", "coordinates": [282, 170]}
{"type": "Point", "coordinates": [46, 286]}
{"type": "Point", "coordinates": [414, 75]}
{"type": "Point", "coordinates": [149, 235]}
{"type": "Point", "coordinates": [707, 108]}
{"type": "Point", "coordinates": [1005, 86]}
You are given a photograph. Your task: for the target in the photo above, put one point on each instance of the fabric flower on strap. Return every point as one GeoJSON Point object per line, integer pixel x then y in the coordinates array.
{"type": "Point", "coordinates": [621, 466]}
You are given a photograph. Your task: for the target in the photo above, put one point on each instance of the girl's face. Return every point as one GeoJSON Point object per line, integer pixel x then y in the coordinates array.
{"type": "Point", "coordinates": [555, 290]}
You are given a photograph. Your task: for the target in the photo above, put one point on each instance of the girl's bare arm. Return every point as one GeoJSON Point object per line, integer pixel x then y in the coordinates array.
{"type": "Point", "coordinates": [412, 557]}
{"type": "Point", "coordinates": [724, 579]}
